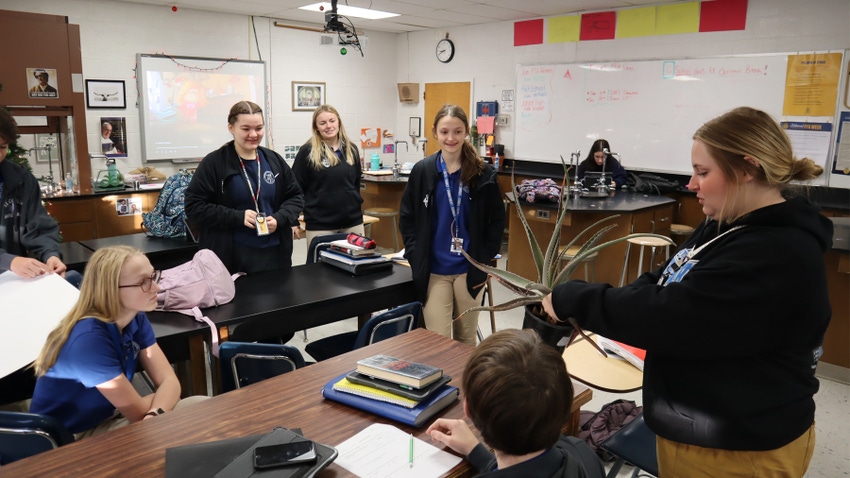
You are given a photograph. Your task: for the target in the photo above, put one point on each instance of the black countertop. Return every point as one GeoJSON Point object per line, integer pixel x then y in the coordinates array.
{"type": "Point", "coordinates": [619, 201]}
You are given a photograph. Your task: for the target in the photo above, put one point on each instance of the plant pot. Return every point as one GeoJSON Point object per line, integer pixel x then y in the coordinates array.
{"type": "Point", "coordinates": [558, 336]}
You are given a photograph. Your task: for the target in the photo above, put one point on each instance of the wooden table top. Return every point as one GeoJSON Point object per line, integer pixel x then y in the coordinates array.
{"type": "Point", "coordinates": [291, 400]}
{"type": "Point", "coordinates": [589, 367]}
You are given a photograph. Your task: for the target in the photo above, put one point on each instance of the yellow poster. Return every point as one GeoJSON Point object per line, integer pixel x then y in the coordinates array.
{"type": "Point", "coordinates": [811, 84]}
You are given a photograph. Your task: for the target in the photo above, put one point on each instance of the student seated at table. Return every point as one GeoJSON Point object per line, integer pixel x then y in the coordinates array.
{"type": "Point", "coordinates": [518, 395]}
{"type": "Point", "coordinates": [86, 366]}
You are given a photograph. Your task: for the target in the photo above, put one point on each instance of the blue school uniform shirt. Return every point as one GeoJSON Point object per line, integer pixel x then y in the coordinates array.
{"type": "Point", "coordinates": [443, 261]}
{"type": "Point", "coordinates": [243, 200]}
{"type": "Point", "coordinates": [95, 352]}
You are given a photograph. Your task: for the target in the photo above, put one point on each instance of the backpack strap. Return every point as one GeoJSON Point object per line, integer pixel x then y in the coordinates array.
{"type": "Point", "coordinates": [200, 317]}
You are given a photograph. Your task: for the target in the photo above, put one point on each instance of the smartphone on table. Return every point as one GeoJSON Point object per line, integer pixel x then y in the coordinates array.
{"type": "Point", "coordinates": [292, 453]}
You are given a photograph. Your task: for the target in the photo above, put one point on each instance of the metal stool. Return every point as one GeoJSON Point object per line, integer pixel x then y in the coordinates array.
{"type": "Point", "coordinates": [643, 242]}
{"type": "Point", "coordinates": [680, 232]}
{"type": "Point", "coordinates": [589, 276]}
{"type": "Point", "coordinates": [381, 212]}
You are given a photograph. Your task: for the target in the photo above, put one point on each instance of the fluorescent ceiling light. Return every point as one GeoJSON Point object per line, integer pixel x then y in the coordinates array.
{"type": "Point", "coordinates": [347, 11]}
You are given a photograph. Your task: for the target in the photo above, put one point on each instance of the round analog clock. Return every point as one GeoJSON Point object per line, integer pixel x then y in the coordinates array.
{"type": "Point", "coordinates": [445, 50]}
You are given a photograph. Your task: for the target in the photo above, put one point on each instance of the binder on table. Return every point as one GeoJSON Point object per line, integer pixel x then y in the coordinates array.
{"type": "Point", "coordinates": [356, 266]}
{"type": "Point", "coordinates": [415, 416]}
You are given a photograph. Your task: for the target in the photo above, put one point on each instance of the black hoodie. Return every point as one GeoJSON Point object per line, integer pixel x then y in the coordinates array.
{"type": "Point", "coordinates": [731, 348]}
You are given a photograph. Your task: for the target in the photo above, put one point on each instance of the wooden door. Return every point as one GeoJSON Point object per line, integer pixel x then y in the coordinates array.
{"type": "Point", "coordinates": [438, 95]}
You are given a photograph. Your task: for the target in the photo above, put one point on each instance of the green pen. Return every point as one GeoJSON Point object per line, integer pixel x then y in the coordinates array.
{"type": "Point", "coordinates": [410, 462]}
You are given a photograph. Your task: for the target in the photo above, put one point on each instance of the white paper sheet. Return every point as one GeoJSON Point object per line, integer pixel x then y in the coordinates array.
{"type": "Point", "coordinates": [29, 310]}
{"type": "Point", "coordinates": [384, 450]}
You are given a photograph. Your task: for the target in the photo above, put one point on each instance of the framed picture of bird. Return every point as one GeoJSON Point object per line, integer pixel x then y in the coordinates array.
{"type": "Point", "coordinates": [105, 94]}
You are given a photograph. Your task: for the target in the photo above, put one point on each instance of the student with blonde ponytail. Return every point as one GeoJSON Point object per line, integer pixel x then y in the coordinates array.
{"type": "Point", "coordinates": [452, 193]}
{"type": "Point", "coordinates": [328, 170]}
{"type": "Point", "coordinates": [86, 366]}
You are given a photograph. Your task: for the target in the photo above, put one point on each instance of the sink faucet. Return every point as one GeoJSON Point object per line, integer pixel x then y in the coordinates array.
{"type": "Point", "coordinates": [395, 150]}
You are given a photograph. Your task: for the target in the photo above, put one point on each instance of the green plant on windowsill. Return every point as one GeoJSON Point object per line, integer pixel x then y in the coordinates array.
{"type": "Point", "coordinates": [550, 271]}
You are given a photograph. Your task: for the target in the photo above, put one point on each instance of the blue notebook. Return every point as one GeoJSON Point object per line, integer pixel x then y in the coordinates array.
{"type": "Point", "coordinates": [415, 416]}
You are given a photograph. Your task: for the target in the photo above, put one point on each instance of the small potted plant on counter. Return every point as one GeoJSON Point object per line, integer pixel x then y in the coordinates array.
{"type": "Point", "coordinates": [552, 269]}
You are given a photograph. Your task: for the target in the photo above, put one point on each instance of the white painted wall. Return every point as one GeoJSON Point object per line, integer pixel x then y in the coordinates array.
{"type": "Point", "coordinates": [364, 89]}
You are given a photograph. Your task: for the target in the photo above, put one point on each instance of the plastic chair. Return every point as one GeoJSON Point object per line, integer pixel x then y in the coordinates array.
{"type": "Point", "coordinates": [244, 363]}
{"type": "Point", "coordinates": [379, 327]}
{"type": "Point", "coordinates": [27, 434]}
{"type": "Point", "coordinates": [635, 444]}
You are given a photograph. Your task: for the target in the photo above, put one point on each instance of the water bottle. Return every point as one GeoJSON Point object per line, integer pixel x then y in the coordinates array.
{"type": "Point", "coordinates": [496, 161]}
{"type": "Point", "coordinates": [69, 182]}
{"type": "Point", "coordinates": [376, 162]}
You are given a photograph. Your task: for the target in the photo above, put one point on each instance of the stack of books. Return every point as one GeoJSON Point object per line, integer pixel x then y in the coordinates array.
{"type": "Point", "coordinates": [629, 353]}
{"type": "Point", "coordinates": [408, 392]}
{"type": "Point", "coordinates": [354, 259]}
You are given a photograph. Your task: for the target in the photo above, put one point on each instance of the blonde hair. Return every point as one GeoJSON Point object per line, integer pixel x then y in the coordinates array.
{"type": "Point", "coordinates": [746, 132]}
{"type": "Point", "coordinates": [320, 149]}
{"type": "Point", "coordinates": [471, 165]}
{"type": "Point", "coordinates": [99, 298]}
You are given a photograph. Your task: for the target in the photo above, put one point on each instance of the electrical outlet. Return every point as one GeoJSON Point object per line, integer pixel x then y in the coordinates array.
{"type": "Point", "coordinates": [542, 214]}
{"type": "Point", "coordinates": [502, 120]}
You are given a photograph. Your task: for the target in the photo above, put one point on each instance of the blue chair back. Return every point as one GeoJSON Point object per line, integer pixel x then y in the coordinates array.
{"type": "Point", "coordinates": [244, 363]}
{"type": "Point", "coordinates": [322, 242]}
{"type": "Point", "coordinates": [389, 324]}
{"type": "Point", "coordinates": [27, 434]}
{"type": "Point", "coordinates": [635, 444]}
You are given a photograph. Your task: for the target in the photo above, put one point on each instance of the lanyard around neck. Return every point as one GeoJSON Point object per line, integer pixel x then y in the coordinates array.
{"type": "Point", "coordinates": [455, 208]}
{"type": "Point", "coordinates": [256, 197]}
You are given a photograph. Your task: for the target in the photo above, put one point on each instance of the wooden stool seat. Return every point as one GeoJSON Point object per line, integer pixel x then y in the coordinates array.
{"type": "Point", "coordinates": [643, 242]}
{"type": "Point", "coordinates": [681, 230]}
{"type": "Point", "coordinates": [389, 212]}
{"type": "Point", "coordinates": [589, 275]}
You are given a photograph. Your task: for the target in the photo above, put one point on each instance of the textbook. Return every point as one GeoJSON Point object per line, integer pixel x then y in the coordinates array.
{"type": "Point", "coordinates": [356, 266]}
{"type": "Point", "coordinates": [416, 416]}
{"type": "Point", "coordinates": [367, 391]}
{"type": "Point", "coordinates": [350, 249]}
{"type": "Point", "coordinates": [402, 390]}
{"type": "Point", "coordinates": [416, 375]}
{"type": "Point", "coordinates": [633, 355]}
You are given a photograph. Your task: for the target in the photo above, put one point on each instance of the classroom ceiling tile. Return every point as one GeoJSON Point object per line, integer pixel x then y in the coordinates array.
{"type": "Point", "coordinates": [414, 14]}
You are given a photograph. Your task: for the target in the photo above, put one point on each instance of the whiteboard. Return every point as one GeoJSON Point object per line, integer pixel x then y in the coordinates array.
{"type": "Point", "coordinates": [647, 110]}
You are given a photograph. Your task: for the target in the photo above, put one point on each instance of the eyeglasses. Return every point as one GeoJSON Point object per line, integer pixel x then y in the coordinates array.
{"type": "Point", "coordinates": [146, 283]}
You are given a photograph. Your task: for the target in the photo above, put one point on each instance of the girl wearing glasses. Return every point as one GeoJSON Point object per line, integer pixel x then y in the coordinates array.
{"type": "Point", "coordinates": [86, 366]}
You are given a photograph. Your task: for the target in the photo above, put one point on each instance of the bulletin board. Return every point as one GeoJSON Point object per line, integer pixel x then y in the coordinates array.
{"type": "Point", "coordinates": [647, 110]}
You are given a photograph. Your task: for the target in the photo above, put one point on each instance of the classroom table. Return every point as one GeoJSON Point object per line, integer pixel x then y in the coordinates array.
{"type": "Point", "coordinates": [609, 374]}
{"type": "Point", "coordinates": [273, 302]}
{"type": "Point", "coordinates": [292, 400]}
{"type": "Point", "coordinates": [163, 253]}
{"type": "Point", "coordinates": [75, 255]}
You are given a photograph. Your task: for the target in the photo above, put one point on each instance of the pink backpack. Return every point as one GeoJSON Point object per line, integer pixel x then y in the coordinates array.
{"type": "Point", "coordinates": [202, 282]}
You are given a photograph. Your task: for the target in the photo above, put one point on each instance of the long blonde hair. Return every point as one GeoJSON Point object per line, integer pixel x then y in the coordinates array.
{"type": "Point", "coordinates": [99, 298]}
{"type": "Point", "coordinates": [748, 132]}
{"type": "Point", "coordinates": [321, 149]}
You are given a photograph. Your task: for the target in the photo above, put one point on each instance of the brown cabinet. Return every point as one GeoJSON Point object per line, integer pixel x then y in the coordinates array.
{"type": "Point", "coordinates": [383, 193]}
{"type": "Point", "coordinates": [96, 216]}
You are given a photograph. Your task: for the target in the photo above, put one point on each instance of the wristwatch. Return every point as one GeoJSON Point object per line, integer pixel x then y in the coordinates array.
{"type": "Point", "coordinates": [154, 413]}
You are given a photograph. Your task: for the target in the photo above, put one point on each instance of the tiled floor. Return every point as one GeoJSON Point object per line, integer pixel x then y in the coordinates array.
{"type": "Point", "coordinates": [832, 452]}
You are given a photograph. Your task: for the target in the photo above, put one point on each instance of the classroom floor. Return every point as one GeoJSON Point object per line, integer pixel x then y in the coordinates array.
{"type": "Point", "coordinates": [832, 451]}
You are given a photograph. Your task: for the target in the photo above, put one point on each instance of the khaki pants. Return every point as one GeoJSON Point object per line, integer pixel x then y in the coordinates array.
{"type": "Point", "coordinates": [311, 234]}
{"type": "Point", "coordinates": [447, 298]}
{"type": "Point", "coordinates": [118, 421]}
{"type": "Point", "coordinates": [677, 460]}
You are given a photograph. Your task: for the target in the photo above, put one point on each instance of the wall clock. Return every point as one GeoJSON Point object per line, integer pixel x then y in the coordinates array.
{"type": "Point", "coordinates": [445, 50]}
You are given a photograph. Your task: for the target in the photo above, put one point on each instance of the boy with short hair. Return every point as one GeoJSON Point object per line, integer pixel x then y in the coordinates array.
{"type": "Point", "coordinates": [518, 394]}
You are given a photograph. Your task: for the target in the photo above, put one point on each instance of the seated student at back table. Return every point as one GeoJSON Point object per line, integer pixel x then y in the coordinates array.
{"type": "Point", "coordinates": [518, 394]}
{"type": "Point", "coordinates": [595, 159]}
{"type": "Point", "coordinates": [86, 366]}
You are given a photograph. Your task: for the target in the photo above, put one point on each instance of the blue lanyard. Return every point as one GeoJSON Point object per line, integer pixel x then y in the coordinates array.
{"type": "Point", "coordinates": [455, 209]}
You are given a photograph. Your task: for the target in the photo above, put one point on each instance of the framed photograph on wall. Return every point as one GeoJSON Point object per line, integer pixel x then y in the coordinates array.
{"type": "Point", "coordinates": [113, 136]}
{"type": "Point", "coordinates": [307, 95]}
{"type": "Point", "coordinates": [105, 94]}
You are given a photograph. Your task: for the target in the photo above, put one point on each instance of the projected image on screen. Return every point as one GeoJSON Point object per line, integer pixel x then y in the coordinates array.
{"type": "Point", "coordinates": [185, 103]}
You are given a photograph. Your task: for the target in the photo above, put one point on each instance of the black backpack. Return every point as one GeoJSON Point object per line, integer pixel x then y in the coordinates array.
{"type": "Point", "coordinates": [651, 184]}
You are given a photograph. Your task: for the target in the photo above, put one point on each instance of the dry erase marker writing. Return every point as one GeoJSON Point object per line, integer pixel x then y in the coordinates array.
{"type": "Point", "coordinates": [410, 461]}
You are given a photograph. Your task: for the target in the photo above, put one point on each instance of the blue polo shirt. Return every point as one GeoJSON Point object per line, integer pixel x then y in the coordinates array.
{"type": "Point", "coordinates": [443, 261]}
{"type": "Point", "coordinates": [94, 353]}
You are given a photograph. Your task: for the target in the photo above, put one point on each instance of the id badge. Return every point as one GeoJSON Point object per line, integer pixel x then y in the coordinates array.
{"type": "Point", "coordinates": [457, 245]}
{"type": "Point", "coordinates": [262, 225]}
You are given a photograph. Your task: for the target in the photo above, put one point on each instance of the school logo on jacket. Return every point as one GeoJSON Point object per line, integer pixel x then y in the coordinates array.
{"type": "Point", "coordinates": [268, 177]}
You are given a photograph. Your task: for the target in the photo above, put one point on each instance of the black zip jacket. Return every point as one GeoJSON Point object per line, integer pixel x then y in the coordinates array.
{"type": "Point", "coordinates": [731, 348]}
{"type": "Point", "coordinates": [208, 203]}
{"type": "Point", "coordinates": [332, 198]}
{"type": "Point", "coordinates": [486, 223]}
{"type": "Point", "coordinates": [25, 227]}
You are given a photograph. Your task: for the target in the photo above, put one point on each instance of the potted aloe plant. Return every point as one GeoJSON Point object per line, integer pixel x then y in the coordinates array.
{"type": "Point", "coordinates": [550, 273]}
